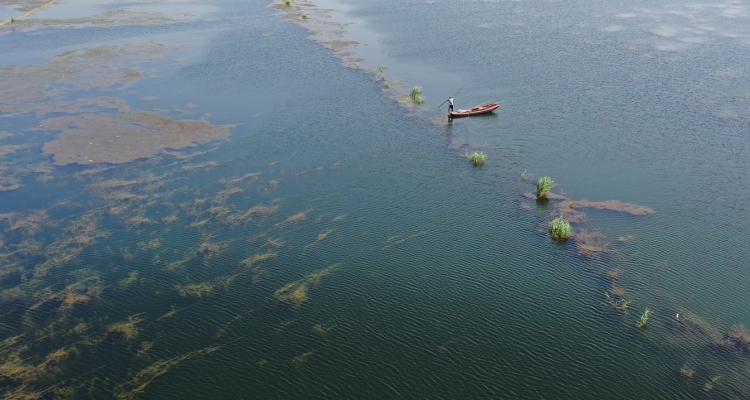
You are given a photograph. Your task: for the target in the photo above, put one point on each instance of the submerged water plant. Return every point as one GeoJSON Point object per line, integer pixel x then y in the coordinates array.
{"type": "Point", "coordinates": [416, 95]}
{"type": "Point", "coordinates": [543, 187]}
{"type": "Point", "coordinates": [644, 318]}
{"type": "Point", "coordinates": [618, 304]}
{"type": "Point", "coordinates": [560, 228]}
{"type": "Point", "coordinates": [477, 158]}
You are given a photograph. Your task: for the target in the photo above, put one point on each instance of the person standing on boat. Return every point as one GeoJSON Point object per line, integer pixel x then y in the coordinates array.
{"type": "Point", "coordinates": [450, 104]}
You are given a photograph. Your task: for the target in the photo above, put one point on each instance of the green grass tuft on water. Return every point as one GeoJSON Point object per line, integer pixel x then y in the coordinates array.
{"type": "Point", "coordinates": [643, 320]}
{"type": "Point", "coordinates": [416, 95]}
{"type": "Point", "coordinates": [560, 228]}
{"type": "Point", "coordinates": [477, 158]}
{"type": "Point", "coordinates": [543, 187]}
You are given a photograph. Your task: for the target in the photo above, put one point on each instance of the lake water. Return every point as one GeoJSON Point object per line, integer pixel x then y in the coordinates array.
{"type": "Point", "coordinates": [328, 238]}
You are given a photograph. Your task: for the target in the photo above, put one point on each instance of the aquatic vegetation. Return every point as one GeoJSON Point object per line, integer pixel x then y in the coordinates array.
{"type": "Point", "coordinates": [126, 330]}
{"type": "Point", "coordinates": [321, 236]}
{"type": "Point", "coordinates": [591, 243]}
{"type": "Point", "coordinates": [247, 177]}
{"type": "Point", "coordinates": [295, 293]}
{"type": "Point", "coordinates": [259, 210]}
{"type": "Point", "coordinates": [195, 290]}
{"type": "Point", "coordinates": [617, 292]}
{"type": "Point", "coordinates": [686, 371]}
{"type": "Point", "coordinates": [477, 158]}
{"type": "Point", "coordinates": [136, 135]}
{"type": "Point", "coordinates": [615, 205]}
{"type": "Point", "coordinates": [170, 314]}
{"type": "Point", "coordinates": [296, 218]}
{"type": "Point", "coordinates": [560, 228]}
{"type": "Point", "coordinates": [643, 320]}
{"type": "Point", "coordinates": [416, 95]}
{"type": "Point", "coordinates": [615, 274]}
{"type": "Point", "coordinates": [87, 68]}
{"type": "Point", "coordinates": [709, 386]}
{"type": "Point", "coordinates": [256, 258]}
{"type": "Point", "coordinates": [22, 380]}
{"type": "Point", "coordinates": [625, 239]}
{"type": "Point", "coordinates": [28, 224]}
{"type": "Point", "coordinates": [618, 304]}
{"type": "Point", "coordinates": [738, 338]}
{"type": "Point", "coordinates": [274, 242]}
{"type": "Point", "coordinates": [144, 350]}
{"type": "Point", "coordinates": [301, 360]}
{"type": "Point", "coordinates": [323, 329]}
{"type": "Point", "coordinates": [137, 221]}
{"type": "Point", "coordinates": [137, 385]}
{"type": "Point", "coordinates": [202, 166]}
{"type": "Point", "coordinates": [223, 195]}
{"type": "Point", "coordinates": [543, 187]}
{"type": "Point", "coordinates": [150, 245]}
{"type": "Point", "coordinates": [304, 16]}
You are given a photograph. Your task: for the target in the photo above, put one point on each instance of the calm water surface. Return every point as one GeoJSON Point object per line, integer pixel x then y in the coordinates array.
{"type": "Point", "coordinates": [365, 257]}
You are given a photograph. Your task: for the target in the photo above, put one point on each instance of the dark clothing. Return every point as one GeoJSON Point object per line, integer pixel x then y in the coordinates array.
{"type": "Point", "coordinates": [450, 108]}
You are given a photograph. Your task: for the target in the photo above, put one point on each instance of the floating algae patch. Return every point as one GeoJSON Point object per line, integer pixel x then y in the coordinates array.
{"type": "Point", "coordinates": [296, 218]}
{"type": "Point", "coordinates": [202, 166]}
{"type": "Point", "coordinates": [79, 70]}
{"type": "Point", "coordinates": [257, 212]}
{"type": "Point", "coordinates": [615, 205]}
{"type": "Point", "coordinates": [591, 243]}
{"type": "Point", "coordinates": [121, 138]}
{"type": "Point", "coordinates": [107, 19]}
{"type": "Point", "coordinates": [323, 329]}
{"type": "Point", "coordinates": [130, 280]}
{"type": "Point", "coordinates": [223, 195]}
{"type": "Point", "coordinates": [195, 290]}
{"type": "Point", "coordinates": [8, 149]}
{"type": "Point", "coordinates": [254, 259]}
{"type": "Point", "coordinates": [242, 179]}
{"type": "Point", "coordinates": [295, 293]}
{"type": "Point", "coordinates": [90, 104]}
{"type": "Point", "coordinates": [321, 237]}
{"type": "Point", "coordinates": [24, 380]}
{"type": "Point", "coordinates": [301, 360]}
{"type": "Point", "coordinates": [126, 330]}
{"type": "Point", "coordinates": [136, 386]}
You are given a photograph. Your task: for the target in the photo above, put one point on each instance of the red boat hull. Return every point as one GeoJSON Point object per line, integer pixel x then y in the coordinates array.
{"type": "Point", "coordinates": [484, 108]}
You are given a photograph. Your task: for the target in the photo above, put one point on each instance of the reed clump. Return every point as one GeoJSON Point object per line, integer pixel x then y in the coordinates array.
{"type": "Point", "coordinates": [416, 95]}
{"type": "Point", "coordinates": [686, 371]}
{"type": "Point", "coordinates": [560, 228]}
{"type": "Point", "coordinates": [643, 320]}
{"type": "Point", "coordinates": [543, 187]}
{"type": "Point", "coordinates": [477, 158]}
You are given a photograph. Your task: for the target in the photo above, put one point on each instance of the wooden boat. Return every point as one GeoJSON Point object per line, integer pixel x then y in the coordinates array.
{"type": "Point", "coordinates": [484, 108]}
